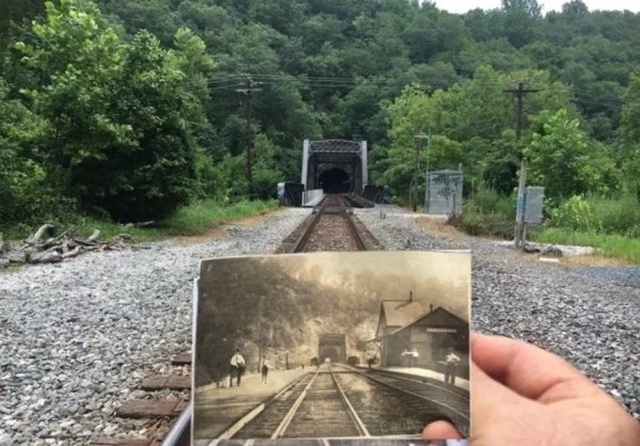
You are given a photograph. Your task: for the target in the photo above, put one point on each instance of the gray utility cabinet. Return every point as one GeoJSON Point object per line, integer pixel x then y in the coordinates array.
{"type": "Point", "coordinates": [444, 192]}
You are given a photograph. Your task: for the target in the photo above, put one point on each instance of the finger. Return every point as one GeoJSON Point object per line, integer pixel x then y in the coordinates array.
{"type": "Point", "coordinates": [440, 430]}
{"type": "Point", "coordinates": [528, 370]}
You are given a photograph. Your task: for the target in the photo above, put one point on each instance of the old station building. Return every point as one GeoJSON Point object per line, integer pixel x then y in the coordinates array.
{"type": "Point", "coordinates": [412, 326]}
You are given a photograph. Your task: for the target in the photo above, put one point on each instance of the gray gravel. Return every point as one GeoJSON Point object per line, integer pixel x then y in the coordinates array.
{"type": "Point", "coordinates": [590, 316]}
{"type": "Point", "coordinates": [77, 337]}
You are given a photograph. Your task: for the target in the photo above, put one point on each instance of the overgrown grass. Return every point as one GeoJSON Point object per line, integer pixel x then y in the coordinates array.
{"type": "Point", "coordinates": [611, 245]}
{"type": "Point", "coordinates": [616, 216]}
{"type": "Point", "coordinates": [190, 220]}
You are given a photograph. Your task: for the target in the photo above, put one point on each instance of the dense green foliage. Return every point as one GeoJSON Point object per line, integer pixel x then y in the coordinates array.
{"type": "Point", "coordinates": [134, 108]}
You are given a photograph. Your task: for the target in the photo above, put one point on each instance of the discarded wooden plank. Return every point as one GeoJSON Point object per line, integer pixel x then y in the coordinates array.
{"type": "Point", "coordinates": [172, 382]}
{"type": "Point", "coordinates": [149, 408]}
{"type": "Point", "coordinates": [182, 359]}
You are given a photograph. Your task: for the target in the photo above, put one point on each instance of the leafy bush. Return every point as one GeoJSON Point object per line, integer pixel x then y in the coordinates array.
{"type": "Point", "coordinates": [487, 213]}
{"type": "Point", "coordinates": [617, 216]}
{"type": "Point", "coordinates": [599, 215]}
{"type": "Point", "coordinates": [576, 213]}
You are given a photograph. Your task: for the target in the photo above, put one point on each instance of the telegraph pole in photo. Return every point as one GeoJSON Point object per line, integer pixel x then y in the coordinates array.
{"type": "Point", "coordinates": [251, 88]}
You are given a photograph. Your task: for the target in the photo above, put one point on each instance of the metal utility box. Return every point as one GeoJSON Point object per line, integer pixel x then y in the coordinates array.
{"type": "Point", "coordinates": [444, 192]}
{"type": "Point", "coordinates": [533, 205]}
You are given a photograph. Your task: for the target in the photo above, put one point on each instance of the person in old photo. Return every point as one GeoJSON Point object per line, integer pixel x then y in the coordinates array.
{"type": "Point", "coordinates": [237, 367]}
{"type": "Point", "coordinates": [265, 370]}
{"type": "Point", "coordinates": [451, 363]}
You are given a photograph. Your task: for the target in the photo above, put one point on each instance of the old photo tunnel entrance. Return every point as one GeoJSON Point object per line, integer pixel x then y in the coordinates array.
{"type": "Point", "coordinates": [332, 353]}
{"type": "Point", "coordinates": [334, 179]}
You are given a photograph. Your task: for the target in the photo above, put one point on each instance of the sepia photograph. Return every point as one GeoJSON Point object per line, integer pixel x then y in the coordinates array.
{"type": "Point", "coordinates": [341, 348]}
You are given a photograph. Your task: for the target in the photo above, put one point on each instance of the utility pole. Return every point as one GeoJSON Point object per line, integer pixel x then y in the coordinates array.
{"type": "Point", "coordinates": [520, 213]}
{"type": "Point", "coordinates": [248, 106]}
{"type": "Point", "coordinates": [520, 92]}
{"type": "Point", "coordinates": [414, 187]}
{"type": "Point", "coordinates": [428, 190]}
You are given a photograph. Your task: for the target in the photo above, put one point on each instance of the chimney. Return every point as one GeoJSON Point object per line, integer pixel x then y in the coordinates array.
{"type": "Point", "coordinates": [430, 308]}
{"type": "Point", "coordinates": [410, 296]}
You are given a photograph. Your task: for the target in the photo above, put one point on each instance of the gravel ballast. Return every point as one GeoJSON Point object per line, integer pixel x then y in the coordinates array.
{"type": "Point", "coordinates": [77, 337]}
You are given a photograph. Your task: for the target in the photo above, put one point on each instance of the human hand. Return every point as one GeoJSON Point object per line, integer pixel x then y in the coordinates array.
{"type": "Point", "coordinates": [523, 395]}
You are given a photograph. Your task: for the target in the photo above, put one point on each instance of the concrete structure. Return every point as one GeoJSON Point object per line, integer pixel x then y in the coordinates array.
{"type": "Point", "coordinates": [410, 325]}
{"type": "Point", "coordinates": [332, 346]}
{"type": "Point", "coordinates": [335, 165]}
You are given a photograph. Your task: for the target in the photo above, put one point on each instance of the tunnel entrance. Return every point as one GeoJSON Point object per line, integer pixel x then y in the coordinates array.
{"type": "Point", "coordinates": [335, 180]}
{"type": "Point", "coordinates": [332, 353]}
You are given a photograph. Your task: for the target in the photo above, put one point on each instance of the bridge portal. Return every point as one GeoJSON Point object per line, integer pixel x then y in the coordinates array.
{"type": "Point", "coordinates": [335, 166]}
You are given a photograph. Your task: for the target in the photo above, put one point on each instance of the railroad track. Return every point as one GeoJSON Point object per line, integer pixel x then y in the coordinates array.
{"type": "Point", "coordinates": [330, 227]}
{"type": "Point", "coordinates": [338, 402]}
{"type": "Point", "coordinates": [316, 406]}
{"type": "Point", "coordinates": [427, 396]}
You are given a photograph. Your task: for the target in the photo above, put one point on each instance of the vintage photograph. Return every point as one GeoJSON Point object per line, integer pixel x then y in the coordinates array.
{"type": "Point", "coordinates": [358, 346]}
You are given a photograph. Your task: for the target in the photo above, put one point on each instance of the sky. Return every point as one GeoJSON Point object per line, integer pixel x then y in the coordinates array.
{"type": "Point", "coordinates": [462, 6]}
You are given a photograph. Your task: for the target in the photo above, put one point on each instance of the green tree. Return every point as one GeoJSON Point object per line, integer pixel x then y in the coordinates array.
{"type": "Point", "coordinates": [118, 136]}
{"type": "Point", "coordinates": [27, 197]}
{"type": "Point", "coordinates": [521, 21]}
{"type": "Point", "coordinates": [564, 160]}
{"type": "Point", "coordinates": [629, 151]}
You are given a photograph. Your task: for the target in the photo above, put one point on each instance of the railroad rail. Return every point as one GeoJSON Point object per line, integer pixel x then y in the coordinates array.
{"type": "Point", "coordinates": [338, 402]}
{"type": "Point", "coordinates": [330, 227]}
{"type": "Point", "coordinates": [316, 406]}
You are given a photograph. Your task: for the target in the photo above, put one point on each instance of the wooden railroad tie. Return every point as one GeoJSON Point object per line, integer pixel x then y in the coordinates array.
{"type": "Point", "coordinates": [124, 442]}
{"type": "Point", "coordinates": [151, 408]}
{"type": "Point", "coordinates": [182, 359]}
{"type": "Point", "coordinates": [171, 382]}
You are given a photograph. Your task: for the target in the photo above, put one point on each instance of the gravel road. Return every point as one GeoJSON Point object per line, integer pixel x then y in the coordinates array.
{"type": "Point", "coordinates": [77, 337]}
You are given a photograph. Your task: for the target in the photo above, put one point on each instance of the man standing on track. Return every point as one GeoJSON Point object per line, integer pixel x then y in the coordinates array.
{"type": "Point", "coordinates": [237, 367]}
{"type": "Point", "coordinates": [451, 363]}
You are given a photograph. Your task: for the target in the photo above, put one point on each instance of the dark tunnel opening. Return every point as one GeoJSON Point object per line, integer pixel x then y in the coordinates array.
{"type": "Point", "coordinates": [335, 181]}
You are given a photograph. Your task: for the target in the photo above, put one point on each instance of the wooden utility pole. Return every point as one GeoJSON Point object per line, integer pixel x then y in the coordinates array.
{"type": "Point", "coordinates": [416, 174]}
{"type": "Point", "coordinates": [520, 213]}
{"type": "Point", "coordinates": [414, 186]}
{"type": "Point", "coordinates": [520, 92]}
{"type": "Point", "coordinates": [248, 106]}
{"type": "Point", "coordinates": [427, 185]}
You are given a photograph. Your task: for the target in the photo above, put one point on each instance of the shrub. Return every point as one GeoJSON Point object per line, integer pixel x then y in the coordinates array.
{"type": "Point", "coordinates": [577, 214]}
{"type": "Point", "coordinates": [617, 216]}
{"type": "Point", "coordinates": [487, 213]}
